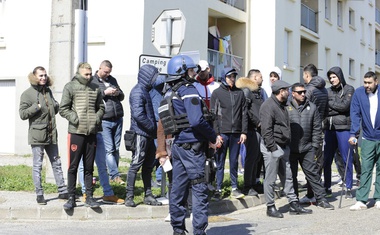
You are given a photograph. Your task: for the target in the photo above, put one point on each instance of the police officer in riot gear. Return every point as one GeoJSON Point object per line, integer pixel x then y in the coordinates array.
{"type": "Point", "coordinates": [188, 150]}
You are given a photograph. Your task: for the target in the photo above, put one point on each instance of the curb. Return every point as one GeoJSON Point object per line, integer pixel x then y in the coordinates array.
{"type": "Point", "coordinates": [54, 210]}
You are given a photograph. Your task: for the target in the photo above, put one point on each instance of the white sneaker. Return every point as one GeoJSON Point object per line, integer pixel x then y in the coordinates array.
{"type": "Point", "coordinates": [377, 205]}
{"type": "Point", "coordinates": [359, 206]}
{"type": "Point", "coordinates": [191, 215]}
{"type": "Point", "coordinates": [306, 200]}
{"type": "Point", "coordinates": [167, 218]}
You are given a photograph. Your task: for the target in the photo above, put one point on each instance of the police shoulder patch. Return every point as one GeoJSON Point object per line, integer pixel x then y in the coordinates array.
{"type": "Point", "coordinates": [195, 101]}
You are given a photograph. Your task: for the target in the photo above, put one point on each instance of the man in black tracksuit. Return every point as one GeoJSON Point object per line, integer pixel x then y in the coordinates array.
{"type": "Point", "coordinates": [316, 93]}
{"type": "Point", "coordinates": [228, 103]}
{"type": "Point", "coordinates": [306, 134]}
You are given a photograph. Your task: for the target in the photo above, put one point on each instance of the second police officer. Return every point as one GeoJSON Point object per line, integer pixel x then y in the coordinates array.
{"type": "Point", "coordinates": [188, 150]}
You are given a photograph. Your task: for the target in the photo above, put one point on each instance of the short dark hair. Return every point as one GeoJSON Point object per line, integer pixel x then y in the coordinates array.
{"type": "Point", "coordinates": [277, 92]}
{"type": "Point", "coordinates": [297, 84]}
{"type": "Point", "coordinates": [370, 74]}
{"type": "Point", "coordinates": [273, 73]}
{"type": "Point", "coordinates": [106, 63]}
{"type": "Point", "coordinates": [311, 69]}
{"type": "Point", "coordinates": [250, 72]}
{"type": "Point", "coordinates": [38, 68]}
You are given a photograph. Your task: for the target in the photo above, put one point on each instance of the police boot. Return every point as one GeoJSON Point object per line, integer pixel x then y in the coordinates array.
{"type": "Point", "coordinates": [297, 209]}
{"type": "Point", "coordinates": [273, 212]}
{"type": "Point", "coordinates": [70, 204]}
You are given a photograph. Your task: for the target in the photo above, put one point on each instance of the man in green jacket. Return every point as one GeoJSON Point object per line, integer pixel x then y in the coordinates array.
{"type": "Point", "coordinates": [38, 105]}
{"type": "Point", "coordinates": [82, 105]}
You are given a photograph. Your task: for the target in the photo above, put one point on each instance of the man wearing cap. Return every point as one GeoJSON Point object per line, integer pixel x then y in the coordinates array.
{"type": "Point", "coordinates": [231, 123]}
{"type": "Point", "coordinates": [206, 82]}
{"type": "Point", "coordinates": [275, 131]}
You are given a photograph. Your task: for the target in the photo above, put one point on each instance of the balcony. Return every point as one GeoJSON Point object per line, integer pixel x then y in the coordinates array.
{"type": "Point", "coordinates": [218, 61]}
{"type": "Point", "coordinates": [239, 4]}
{"type": "Point", "coordinates": [308, 18]}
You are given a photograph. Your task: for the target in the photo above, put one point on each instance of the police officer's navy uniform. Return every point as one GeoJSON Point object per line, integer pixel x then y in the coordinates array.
{"type": "Point", "coordinates": [188, 155]}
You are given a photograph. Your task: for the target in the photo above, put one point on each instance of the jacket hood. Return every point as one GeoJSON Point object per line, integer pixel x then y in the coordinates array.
{"type": "Point", "coordinates": [225, 72]}
{"type": "Point", "coordinates": [278, 71]}
{"type": "Point", "coordinates": [34, 80]}
{"type": "Point", "coordinates": [317, 82]}
{"type": "Point", "coordinates": [246, 83]}
{"type": "Point", "coordinates": [338, 72]}
{"type": "Point", "coordinates": [147, 76]}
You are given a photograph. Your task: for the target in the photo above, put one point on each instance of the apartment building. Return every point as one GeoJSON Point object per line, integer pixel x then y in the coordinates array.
{"type": "Point", "coordinates": [254, 33]}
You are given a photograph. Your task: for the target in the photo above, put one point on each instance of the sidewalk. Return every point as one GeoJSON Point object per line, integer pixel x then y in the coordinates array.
{"type": "Point", "coordinates": [23, 205]}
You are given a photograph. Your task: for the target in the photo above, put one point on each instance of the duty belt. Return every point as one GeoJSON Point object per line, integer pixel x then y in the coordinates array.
{"type": "Point", "coordinates": [196, 146]}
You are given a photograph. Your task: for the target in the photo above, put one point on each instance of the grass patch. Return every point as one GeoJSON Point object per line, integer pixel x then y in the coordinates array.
{"type": "Point", "coordinates": [19, 178]}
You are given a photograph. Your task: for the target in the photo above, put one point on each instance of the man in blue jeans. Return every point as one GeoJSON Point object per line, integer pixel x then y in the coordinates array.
{"type": "Point", "coordinates": [231, 124]}
{"type": "Point", "coordinates": [112, 122]}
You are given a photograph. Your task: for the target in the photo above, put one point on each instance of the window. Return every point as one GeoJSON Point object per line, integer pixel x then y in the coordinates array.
{"type": "Point", "coordinates": [370, 35]}
{"type": "Point", "coordinates": [286, 47]}
{"type": "Point", "coordinates": [340, 14]}
{"type": "Point", "coordinates": [351, 17]}
{"type": "Point", "coordinates": [327, 9]}
{"type": "Point", "coordinates": [327, 59]}
{"type": "Point", "coordinates": [362, 30]}
{"type": "Point", "coordinates": [2, 19]}
{"type": "Point", "coordinates": [339, 60]}
{"type": "Point", "coordinates": [351, 68]}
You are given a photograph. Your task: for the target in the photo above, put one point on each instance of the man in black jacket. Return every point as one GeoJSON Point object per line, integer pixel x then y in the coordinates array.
{"type": "Point", "coordinates": [316, 93]}
{"type": "Point", "coordinates": [338, 124]}
{"type": "Point", "coordinates": [306, 134]}
{"type": "Point", "coordinates": [228, 103]}
{"type": "Point", "coordinates": [275, 132]}
{"type": "Point", "coordinates": [251, 88]}
{"type": "Point", "coordinates": [112, 123]}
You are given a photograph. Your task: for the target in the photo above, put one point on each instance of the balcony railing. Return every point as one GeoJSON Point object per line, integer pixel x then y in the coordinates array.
{"type": "Point", "coordinates": [218, 61]}
{"type": "Point", "coordinates": [377, 57]}
{"type": "Point", "coordinates": [377, 16]}
{"type": "Point", "coordinates": [308, 18]}
{"type": "Point", "coordinates": [239, 4]}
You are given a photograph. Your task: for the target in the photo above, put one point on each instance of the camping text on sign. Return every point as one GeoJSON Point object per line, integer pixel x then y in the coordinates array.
{"type": "Point", "coordinates": [160, 62]}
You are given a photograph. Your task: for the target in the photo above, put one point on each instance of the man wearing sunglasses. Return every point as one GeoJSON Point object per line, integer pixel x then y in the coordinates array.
{"type": "Point", "coordinates": [306, 134]}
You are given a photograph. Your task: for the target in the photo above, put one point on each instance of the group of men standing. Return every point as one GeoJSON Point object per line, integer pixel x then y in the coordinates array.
{"type": "Point", "coordinates": [283, 131]}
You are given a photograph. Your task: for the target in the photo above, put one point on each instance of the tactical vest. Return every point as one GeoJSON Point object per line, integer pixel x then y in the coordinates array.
{"type": "Point", "coordinates": [174, 123]}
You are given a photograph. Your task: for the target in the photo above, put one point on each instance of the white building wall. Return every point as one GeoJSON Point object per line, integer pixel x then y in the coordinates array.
{"type": "Point", "coordinates": [120, 31]}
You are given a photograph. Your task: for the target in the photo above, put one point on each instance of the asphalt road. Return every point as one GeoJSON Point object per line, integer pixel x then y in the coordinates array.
{"type": "Point", "coordinates": [243, 222]}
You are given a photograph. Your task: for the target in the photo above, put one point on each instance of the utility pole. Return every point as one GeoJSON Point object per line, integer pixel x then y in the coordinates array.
{"type": "Point", "coordinates": [61, 67]}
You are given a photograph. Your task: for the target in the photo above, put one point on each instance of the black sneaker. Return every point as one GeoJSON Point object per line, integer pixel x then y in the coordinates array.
{"type": "Point", "coordinates": [129, 202]}
{"type": "Point", "coordinates": [325, 205]}
{"type": "Point", "coordinates": [217, 196]}
{"type": "Point", "coordinates": [90, 202]}
{"type": "Point", "coordinates": [328, 192]}
{"type": "Point", "coordinates": [41, 200]}
{"type": "Point", "coordinates": [63, 196]}
{"type": "Point", "coordinates": [70, 204]}
{"type": "Point", "coordinates": [252, 192]}
{"type": "Point", "coordinates": [349, 194]}
{"type": "Point", "coordinates": [150, 200]}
